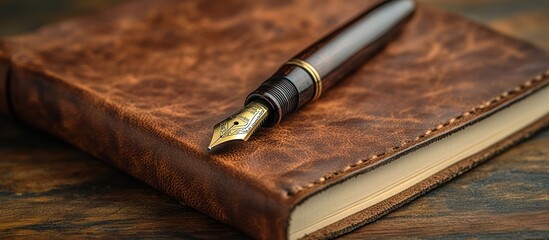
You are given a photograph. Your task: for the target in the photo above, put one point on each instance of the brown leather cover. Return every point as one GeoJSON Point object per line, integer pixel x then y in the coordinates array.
{"type": "Point", "coordinates": [141, 86]}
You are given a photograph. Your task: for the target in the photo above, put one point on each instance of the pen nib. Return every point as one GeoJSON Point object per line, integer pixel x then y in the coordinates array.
{"type": "Point", "coordinates": [239, 126]}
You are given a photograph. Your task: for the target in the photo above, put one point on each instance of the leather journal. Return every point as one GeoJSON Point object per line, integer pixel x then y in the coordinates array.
{"type": "Point", "coordinates": [141, 85]}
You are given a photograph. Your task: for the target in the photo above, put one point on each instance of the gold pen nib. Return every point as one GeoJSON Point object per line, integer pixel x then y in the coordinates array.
{"type": "Point", "coordinates": [241, 125]}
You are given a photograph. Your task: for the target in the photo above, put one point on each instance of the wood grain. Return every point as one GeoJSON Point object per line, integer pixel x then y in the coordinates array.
{"type": "Point", "coordinates": [49, 189]}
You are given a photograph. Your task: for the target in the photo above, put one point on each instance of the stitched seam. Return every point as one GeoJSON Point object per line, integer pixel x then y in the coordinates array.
{"type": "Point", "coordinates": [475, 110]}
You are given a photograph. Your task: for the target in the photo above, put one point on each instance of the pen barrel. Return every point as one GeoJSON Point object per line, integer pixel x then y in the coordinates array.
{"type": "Point", "coordinates": [314, 70]}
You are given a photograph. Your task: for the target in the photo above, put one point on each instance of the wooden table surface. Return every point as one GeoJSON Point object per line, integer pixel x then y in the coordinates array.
{"type": "Point", "coordinates": [49, 189]}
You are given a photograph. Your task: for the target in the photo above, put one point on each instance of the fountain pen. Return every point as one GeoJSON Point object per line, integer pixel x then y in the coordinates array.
{"type": "Point", "coordinates": [307, 75]}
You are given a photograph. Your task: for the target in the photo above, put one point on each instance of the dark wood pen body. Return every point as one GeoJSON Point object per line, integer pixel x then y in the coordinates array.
{"type": "Point", "coordinates": [334, 56]}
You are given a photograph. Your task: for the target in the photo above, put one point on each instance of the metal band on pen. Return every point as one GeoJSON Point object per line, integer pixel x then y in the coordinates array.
{"type": "Point", "coordinates": [311, 71]}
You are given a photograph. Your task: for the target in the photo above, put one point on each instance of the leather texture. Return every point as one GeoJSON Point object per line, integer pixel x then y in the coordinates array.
{"type": "Point", "coordinates": [142, 85]}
